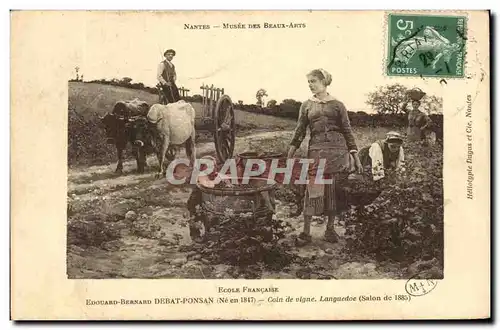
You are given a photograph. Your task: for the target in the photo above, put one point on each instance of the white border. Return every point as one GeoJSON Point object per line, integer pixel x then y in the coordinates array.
{"type": "Point", "coordinates": [177, 5]}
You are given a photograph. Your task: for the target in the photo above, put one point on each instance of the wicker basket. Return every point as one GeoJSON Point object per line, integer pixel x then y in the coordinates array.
{"type": "Point", "coordinates": [360, 190]}
{"type": "Point", "coordinates": [416, 94]}
{"type": "Point", "coordinates": [256, 197]}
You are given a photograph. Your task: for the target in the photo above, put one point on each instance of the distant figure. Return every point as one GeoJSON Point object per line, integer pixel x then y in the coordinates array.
{"type": "Point", "coordinates": [167, 76]}
{"type": "Point", "coordinates": [382, 155]}
{"type": "Point", "coordinates": [419, 124]}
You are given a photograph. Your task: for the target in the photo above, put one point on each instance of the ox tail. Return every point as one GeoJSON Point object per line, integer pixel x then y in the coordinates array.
{"type": "Point", "coordinates": [189, 145]}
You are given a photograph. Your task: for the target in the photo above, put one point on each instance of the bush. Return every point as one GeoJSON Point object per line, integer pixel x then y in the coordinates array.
{"type": "Point", "coordinates": [405, 222]}
{"type": "Point", "coordinates": [87, 141]}
{"type": "Point", "coordinates": [242, 240]}
{"type": "Point", "coordinates": [93, 230]}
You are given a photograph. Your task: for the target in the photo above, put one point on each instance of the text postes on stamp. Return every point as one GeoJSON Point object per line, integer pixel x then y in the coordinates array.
{"type": "Point", "coordinates": [425, 45]}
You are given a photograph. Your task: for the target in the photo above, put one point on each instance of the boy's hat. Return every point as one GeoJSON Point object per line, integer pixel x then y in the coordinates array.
{"type": "Point", "coordinates": [394, 137]}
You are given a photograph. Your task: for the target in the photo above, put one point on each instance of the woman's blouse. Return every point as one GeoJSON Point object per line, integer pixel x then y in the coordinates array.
{"type": "Point", "coordinates": [328, 123]}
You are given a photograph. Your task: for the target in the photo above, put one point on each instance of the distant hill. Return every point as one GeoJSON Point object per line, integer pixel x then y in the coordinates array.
{"type": "Point", "coordinates": [93, 98]}
{"type": "Point", "coordinates": [87, 101]}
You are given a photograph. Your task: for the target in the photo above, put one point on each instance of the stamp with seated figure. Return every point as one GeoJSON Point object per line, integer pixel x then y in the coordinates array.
{"type": "Point", "coordinates": [426, 45]}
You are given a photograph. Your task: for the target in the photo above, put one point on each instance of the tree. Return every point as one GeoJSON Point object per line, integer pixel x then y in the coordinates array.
{"type": "Point", "coordinates": [197, 98]}
{"type": "Point", "coordinates": [259, 95]}
{"type": "Point", "coordinates": [388, 99]}
{"type": "Point", "coordinates": [271, 103]}
{"type": "Point", "coordinates": [290, 107]}
{"type": "Point", "coordinates": [126, 80]}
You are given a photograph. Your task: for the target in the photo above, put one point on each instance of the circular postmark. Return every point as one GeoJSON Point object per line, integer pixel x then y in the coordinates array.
{"type": "Point", "coordinates": [419, 287]}
{"type": "Point", "coordinates": [426, 45]}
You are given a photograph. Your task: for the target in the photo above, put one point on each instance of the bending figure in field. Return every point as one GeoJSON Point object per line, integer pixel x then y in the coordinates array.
{"type": "Point", "coordinates": [382, 155]}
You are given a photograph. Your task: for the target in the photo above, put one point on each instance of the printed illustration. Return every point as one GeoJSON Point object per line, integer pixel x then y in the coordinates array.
{"type": "Point", "coordinates": [225, 170]}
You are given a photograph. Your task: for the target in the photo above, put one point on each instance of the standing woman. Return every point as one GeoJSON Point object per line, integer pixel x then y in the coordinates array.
{"type": "Point", "coordinates": [331, 138]}
{"type": "Point", "coordinates": [419, 124]}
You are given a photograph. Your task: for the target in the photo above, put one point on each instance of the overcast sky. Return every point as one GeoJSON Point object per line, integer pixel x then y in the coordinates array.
{"type": "Point", "coordinates": [241, 61]}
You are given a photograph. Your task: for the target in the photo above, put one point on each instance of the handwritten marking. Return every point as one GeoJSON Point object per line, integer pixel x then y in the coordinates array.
{"type": "Point", "coordinates": [417, 287]}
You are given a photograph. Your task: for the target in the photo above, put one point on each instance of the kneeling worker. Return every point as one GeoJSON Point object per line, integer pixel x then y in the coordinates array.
{"type": "Point", "coordinates": [382, 155]}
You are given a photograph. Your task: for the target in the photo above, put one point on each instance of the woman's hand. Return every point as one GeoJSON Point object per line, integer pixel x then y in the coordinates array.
{"type": "Point", "coordinates": [357, 163]}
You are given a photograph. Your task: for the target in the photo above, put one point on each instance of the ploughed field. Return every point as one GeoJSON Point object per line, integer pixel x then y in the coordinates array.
{"type": "Point", "coordinates": [136, 226]}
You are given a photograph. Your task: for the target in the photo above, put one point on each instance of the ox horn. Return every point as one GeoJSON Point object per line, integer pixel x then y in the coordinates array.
{"type": "Point", "coordinates": [139, 143]}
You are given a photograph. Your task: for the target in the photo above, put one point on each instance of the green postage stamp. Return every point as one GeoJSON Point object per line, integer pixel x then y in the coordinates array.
{"type": "Point", "coordinates": [426, 45]}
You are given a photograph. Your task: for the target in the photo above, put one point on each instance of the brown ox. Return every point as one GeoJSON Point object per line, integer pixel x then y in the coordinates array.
{"type": "Point", "coordinates": [127, 123]}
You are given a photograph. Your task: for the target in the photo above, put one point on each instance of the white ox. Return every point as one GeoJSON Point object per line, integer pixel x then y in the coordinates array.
{"type": "Point", "coordinates": [174, 128]}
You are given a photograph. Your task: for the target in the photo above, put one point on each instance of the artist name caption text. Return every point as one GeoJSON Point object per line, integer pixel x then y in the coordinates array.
{"type": "Point", "coordinates": [253, 295]}
{"type": "Point", "coordinates": [251, 299]}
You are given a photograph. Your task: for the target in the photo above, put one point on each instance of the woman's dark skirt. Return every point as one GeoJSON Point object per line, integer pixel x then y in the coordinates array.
{"type": "Point", "coordinates": [332, 201]}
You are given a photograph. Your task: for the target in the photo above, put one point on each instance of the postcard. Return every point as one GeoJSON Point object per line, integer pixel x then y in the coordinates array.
{"type": "Point", "coordinates": [250, 165]}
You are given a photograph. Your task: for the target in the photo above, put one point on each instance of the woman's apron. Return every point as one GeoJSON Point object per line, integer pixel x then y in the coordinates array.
{"type": "Point", "coordinates": [325, 199]}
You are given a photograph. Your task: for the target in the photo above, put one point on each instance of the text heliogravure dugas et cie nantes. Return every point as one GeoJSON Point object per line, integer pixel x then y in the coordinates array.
{"type": "Point", "coordinates": [470, 153]}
